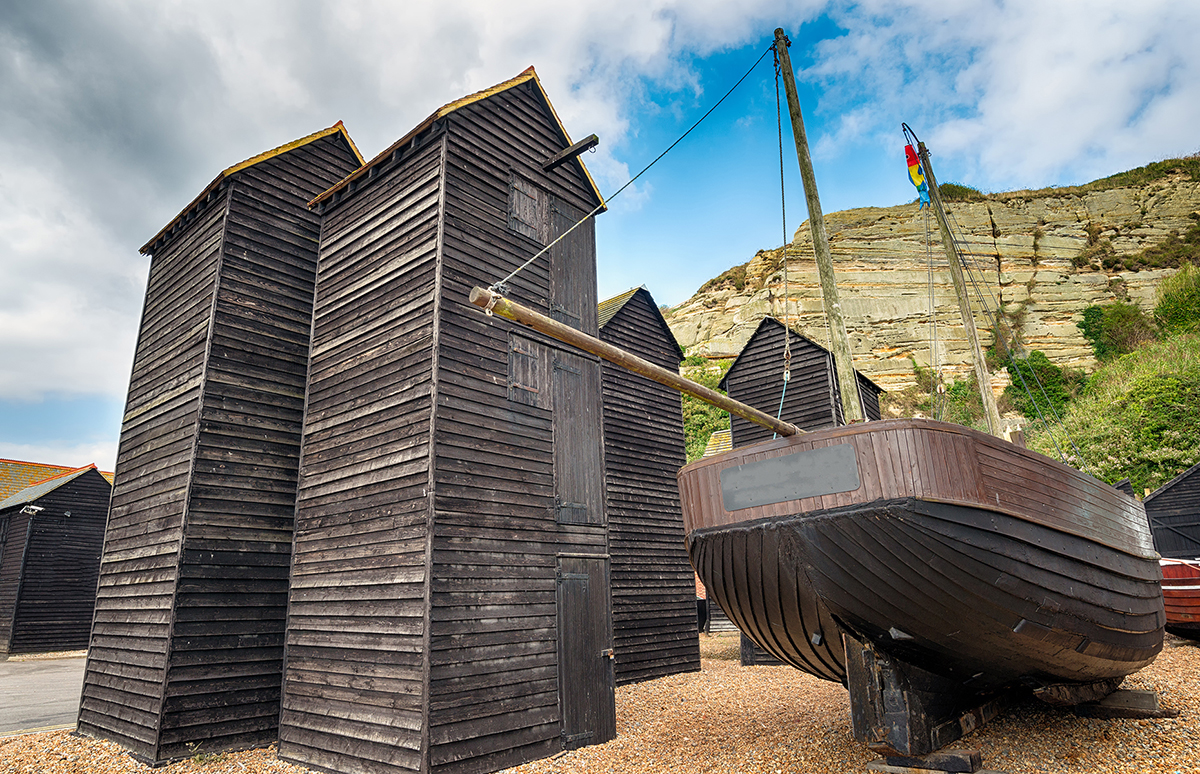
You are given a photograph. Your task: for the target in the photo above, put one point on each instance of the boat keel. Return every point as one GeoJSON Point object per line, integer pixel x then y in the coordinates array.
{"type": "Point", "coordinates": [900, 710]}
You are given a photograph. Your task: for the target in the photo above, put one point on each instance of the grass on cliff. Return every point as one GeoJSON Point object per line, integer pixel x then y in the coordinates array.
{"type": "Point", "coordinates": [1138, 418]}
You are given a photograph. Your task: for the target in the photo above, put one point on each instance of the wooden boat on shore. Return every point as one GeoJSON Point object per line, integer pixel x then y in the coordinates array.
{"type": "Point", "coordinates": [957, 565]}
{"type": "Point", "coordinates": [1181, 596]}
{"type": "Point", "coordinates": [927, 566]}
{"type": "Point", "coordinates": [940, 547]}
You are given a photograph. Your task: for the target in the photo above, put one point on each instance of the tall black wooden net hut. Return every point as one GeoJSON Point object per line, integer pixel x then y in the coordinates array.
{"type": "Point", "coordinates": [1174, 513]}
{"type": "Point", "coordinates": [812, 398]}
{"type": "Point", "coordinates": [653, 584]}
{"type": "Point", "coordinates": [50, 538]}
{"type": "Point", "coordinates": [449, 607]}
{"type": "Point", "coordinates": [187, 645]}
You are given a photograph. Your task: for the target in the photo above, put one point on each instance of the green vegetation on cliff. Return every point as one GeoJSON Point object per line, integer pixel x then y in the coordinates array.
{"type": "Point", "coordinates": [1139, 417]}
{"type": "Point", "coordinates": [700, 420]}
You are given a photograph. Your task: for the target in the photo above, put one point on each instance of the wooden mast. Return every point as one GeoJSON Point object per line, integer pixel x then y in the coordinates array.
{"type": "Point", "coordinates": [964, 300]}
{"type": "Point", "coordinates": [492, 302]}
{"type": "Point", "coordinates": [840, 342]}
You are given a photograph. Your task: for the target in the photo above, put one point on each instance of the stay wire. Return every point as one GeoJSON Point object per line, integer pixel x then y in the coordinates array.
{"type": "Point", "coordinates": [988, 301]}
{"type": "Point", "coordinates": [501, 285]}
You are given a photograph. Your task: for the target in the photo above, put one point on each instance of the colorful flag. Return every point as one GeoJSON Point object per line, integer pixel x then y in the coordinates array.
{"type": "Point", "coordinates": [914, 174]}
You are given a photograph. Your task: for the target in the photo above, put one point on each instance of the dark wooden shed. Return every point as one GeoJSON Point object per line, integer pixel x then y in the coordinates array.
{"type": "Point", "coordinates": [449, 607]}
{"type": "Point", "coordinates": [653, 584]}
{"type": "Point", "coordinates": [812, 399]}
{"type": "Point", "coordinates": [187, 646]}
{"type": "Point", "coordinates": [50, 538]}
{"type": "Point", "coordinates": [1174, 513]}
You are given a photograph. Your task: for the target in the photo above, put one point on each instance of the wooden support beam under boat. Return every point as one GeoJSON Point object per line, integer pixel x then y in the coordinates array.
{"type": "Point", "coordinates": [494, 303]}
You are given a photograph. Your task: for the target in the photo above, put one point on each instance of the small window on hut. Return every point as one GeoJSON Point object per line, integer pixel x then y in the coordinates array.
{"type": "Point", "coordinates": [527, 209]}
{"type": "Point", "coordinates": [528, 372]}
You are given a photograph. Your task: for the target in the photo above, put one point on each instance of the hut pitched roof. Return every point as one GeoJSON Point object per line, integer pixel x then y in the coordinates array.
{"type": "Point", "coordinates": [44, 487]}
{"type": "Point", "coordinates": [769, 321]}
{"type": "Point", "coordinates": [529, 75]}
{"type": "Point", "coordinates": [609, 308]}
{"type": "Point", "coordinates": [719, 442]}
{"type": "Point", "coordinates": [16, 475]}
{"type": "Point", "coordinates": [337, 128]}
{"type": "Point", "coordinates": [1184, 476]}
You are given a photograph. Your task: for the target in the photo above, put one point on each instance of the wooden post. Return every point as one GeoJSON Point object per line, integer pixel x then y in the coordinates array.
{"type": "Point", "coordinates": [964, 300]}
{"type": "Point", "coordinates": [493, 302]}
{"type": "Point", "coordinates": [840, 345]}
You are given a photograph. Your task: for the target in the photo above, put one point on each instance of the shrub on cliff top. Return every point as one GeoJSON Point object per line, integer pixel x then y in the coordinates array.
{"type": "Point", "coordinates": [957, 192]}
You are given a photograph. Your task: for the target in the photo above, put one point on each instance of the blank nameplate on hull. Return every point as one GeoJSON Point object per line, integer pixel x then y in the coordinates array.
{"type": "Point", "coordinates": [795, 476]}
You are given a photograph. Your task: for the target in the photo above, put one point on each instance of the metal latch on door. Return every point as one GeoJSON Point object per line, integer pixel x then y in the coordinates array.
{"type": "Point", "coordinates": [609, 652]}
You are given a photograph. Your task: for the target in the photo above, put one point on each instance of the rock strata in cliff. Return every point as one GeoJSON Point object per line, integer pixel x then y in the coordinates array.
{"type": "Point", "coordinates": [1027, 249]}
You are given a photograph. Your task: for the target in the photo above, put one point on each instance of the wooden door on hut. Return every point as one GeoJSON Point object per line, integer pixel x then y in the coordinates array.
{"type": "Point", "coordinates": [811, 400]}
{"type": "Point", "coordinates": [653, 584]}
{"type": "Point", "coordinates": [450, 502]}
{"type": "Point", "coordinates": [1174, 514]}
{"type": "Point", "coordinates": [51, 533]}
{"type": "Point", "coordinates": [187, 645]}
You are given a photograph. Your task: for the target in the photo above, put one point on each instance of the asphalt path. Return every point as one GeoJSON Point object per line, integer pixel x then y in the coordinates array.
{"type": "Point", "coordinates": [39, 695]}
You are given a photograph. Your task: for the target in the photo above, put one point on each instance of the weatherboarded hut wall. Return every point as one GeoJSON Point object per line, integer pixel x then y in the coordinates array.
{"type": "Point", "coordinates": [50, 539]}
{"type": "Point", "coordinates": [653, 584]}
{"type": "Point", "coordinates": [187, 645]}
{"type": "Point", "coordinates": [449, 607]}
{"type": "Point", "coordinates": [812, 399]}
{"type": "Point", "coordinates": [1174, 513]}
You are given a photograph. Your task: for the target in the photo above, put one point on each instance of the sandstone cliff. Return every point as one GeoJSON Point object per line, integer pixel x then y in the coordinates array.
{"type": "Point", "coordinates": [1031, 250]}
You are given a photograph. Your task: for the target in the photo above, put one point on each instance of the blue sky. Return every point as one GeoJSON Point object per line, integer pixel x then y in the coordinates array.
{"type": "Point", "coordinates": [117, 114]}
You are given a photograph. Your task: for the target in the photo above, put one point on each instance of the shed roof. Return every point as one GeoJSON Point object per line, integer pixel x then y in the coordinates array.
{"type": "Point", "coordinates": [609, 308]}
{"type": "Point", "coordinates": [43, 488]}
{"type": "Point", "coordinates": [766, 321]}
{"type": "Point", "coordinates": [529, 75]}
{"type": "Point", "coordinates": [1182, 477]}
{"type": "Point", "coordinates": [337, 128]}
{"type": "Point", "coordinates": [17, 475]}
{"type": "Point", "coordinates": [719, 442]}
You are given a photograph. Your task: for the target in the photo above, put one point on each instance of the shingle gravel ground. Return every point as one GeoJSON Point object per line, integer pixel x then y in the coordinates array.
{"type": "Point", "coordinates": [761, 720]}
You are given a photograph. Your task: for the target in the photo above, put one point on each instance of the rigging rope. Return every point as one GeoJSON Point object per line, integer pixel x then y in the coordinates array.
{"type": "Point", "coordinates": [983, 296]}
{"type": "Point", "coordinates": [500, 286]}
{"type": "Point", "coordinates": [988, 301]}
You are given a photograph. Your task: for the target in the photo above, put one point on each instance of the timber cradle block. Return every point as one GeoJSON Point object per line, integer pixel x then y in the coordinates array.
{"type": "Point", "coordinates": [1126, 704]}
{"type": "Point", "coordinates": [962, 760]}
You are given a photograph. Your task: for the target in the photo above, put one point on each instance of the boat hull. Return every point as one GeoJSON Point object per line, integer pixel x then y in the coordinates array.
{"type": "Point", "coordinates": [974, 596]}
{"type": "Point", "coordinates": [961, 554]}
{"type": "Point", "coordinates": [1181, 596]}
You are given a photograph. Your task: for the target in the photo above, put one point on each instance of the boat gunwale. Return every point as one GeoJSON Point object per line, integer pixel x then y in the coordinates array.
{"type": "Point", "coordinates": [1122, 525]}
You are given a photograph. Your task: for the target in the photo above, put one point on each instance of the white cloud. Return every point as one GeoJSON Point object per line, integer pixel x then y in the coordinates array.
{"type": "Point", "coordinates": [117, 113]}
{"type": "Point", "coordinates": [1022, 93]}
{"type": "Point", "coordinates": [100, 453]}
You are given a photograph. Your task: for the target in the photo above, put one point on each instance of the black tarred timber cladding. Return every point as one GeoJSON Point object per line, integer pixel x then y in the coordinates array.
{"type": "Point", "coordinates": [812, 400]}
{"type": "Point", "coordinates": [449, 606]}
{"type": "Point", "coordinates": [49, 562]}
{"type": "Point", "coordinates": [653, 584]}
{"type": "Point", "coordinates": [1174, 514]}
{"type": "Point", "coordinates": [187, 642]}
